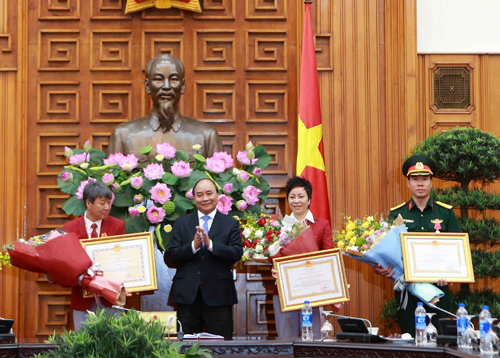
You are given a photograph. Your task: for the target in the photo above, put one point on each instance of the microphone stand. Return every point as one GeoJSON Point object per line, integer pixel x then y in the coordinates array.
{"type": "Point", "coordinates": [440, 309]}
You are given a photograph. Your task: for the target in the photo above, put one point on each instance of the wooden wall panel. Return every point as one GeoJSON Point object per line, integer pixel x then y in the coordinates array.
{"type": "Point", "coordinates": [13, 153]}
{"type": "Point", "coordinates": [353, 110]}
{"type": "Point", "coordinates": [11, 207]}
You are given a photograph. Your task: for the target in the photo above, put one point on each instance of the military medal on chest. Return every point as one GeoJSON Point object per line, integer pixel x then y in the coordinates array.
{"type": "Point", "coordinates": [437, 225]}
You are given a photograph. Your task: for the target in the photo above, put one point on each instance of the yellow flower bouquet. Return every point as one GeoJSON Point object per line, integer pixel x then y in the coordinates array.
{"type": "Point", "coordinates": [360, 234]}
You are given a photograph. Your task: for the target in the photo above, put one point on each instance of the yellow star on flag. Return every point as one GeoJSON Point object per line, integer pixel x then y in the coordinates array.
{"type": "Point", "coordinates": [308, 147]}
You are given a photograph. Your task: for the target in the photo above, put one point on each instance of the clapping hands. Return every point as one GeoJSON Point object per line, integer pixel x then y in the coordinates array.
{"type": "Point", "coordinates": [199, 237]}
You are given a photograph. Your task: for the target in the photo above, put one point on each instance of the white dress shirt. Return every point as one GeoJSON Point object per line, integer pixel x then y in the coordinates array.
{"type": "Point", "coordinates": [309, 217]}
{"type": "Point", "coordinates": [88, 226]}
{"type": "Point", "coordinates": [201, 222]}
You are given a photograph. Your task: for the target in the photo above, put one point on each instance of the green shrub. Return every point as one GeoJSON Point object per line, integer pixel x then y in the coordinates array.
{"type": "Point", "coordinates": [481, 231]}
{"type": "Point", "coordinates": [474, 300]}
{"type": "Point", "coordinates": [486, 263]}
{"type": "Point", "coordinates": [472, 199]}
{"type": "Point", "coordinates": [389, 314]}
{"type": "Point", "coordinates": [107, 336]}
{"type": "Point", "coordinates": [463, 155]}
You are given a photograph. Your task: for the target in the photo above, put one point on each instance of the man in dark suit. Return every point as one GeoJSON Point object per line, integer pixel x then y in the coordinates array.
{"type": "Point", "coordinates": [95, 223]}
{"type": "Point", "coordinates": [205, 244]}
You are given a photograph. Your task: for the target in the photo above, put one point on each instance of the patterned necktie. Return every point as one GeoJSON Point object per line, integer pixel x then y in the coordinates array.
{"type": "Point", "coordinates": [94, 231]}
{"type": "Point", "coordinates": [205, 227]}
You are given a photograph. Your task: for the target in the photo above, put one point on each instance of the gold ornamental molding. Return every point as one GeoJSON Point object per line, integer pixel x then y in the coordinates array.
{"type": "Point", "coordinates": [139, 5]}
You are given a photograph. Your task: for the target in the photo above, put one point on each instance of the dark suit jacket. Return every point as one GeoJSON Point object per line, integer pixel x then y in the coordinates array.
{"type": "Point", "coordinates": [209, 270]}
{"type": "Point", "coordinates": [110, 226]}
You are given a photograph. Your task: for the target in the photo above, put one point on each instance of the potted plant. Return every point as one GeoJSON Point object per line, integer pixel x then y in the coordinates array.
{"type": "Point", "coordinates": [127, 335]}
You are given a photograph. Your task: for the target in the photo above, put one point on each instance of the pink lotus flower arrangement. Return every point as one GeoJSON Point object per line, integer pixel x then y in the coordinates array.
{"type": "Point", "coordinates": [159, 190]}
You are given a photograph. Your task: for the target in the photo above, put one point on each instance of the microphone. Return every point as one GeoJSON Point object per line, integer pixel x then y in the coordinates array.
{"type": "Point", "coordinates": [440, 309]}
{"type": "Point", "coordinates": [329, 313]}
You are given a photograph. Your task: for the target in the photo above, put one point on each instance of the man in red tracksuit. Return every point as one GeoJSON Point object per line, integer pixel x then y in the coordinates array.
{"type": "Point", "coordinates": [95, 223]}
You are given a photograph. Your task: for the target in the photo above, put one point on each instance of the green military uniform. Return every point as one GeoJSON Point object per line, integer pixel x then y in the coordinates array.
{"type": "Point", "coordinates": [418, 221]}
{"type": "Point", "coordinates": [422, 221]}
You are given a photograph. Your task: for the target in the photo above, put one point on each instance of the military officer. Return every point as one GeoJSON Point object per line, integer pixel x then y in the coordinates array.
{"type": "Point", "coordinates": [421, 214]}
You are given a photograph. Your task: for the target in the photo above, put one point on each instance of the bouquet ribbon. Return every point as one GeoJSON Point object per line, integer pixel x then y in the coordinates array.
{"type": "Point", "coordinates": [64, 259]}
{"type": "Point", "coordinates": [387, 252]}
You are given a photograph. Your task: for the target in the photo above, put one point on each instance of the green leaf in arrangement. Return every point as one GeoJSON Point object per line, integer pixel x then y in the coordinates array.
{"type": "Point", "coordinates": [136, 224]}
{"type": "Point", "coordinates": [146, 150]}
{"type": "Point", "coordinates": [200, 158]}
{"type": "Point", "coordinates": [125, 198]}
{"type": "Point", "coordinates": [170, 179]}
{"type": "Point", "coordinates": [74, 206]}
{"type": "Point", "coordinates": [147, 185]}
{"type": "Point", "coordinates": [67, 187]}
{"type": "Point", "coordinates": [184, 203]}
{"type": "Point", "coordinates": [264, 157]}
{"type": "Point", "coordinates": [187, 183]}
{"type": "Point", "coordinates": [180, 155]}
{"type": "Point", "coordinates": [97, 156]}
{"type": "Point", "coordinates": [163, 233]}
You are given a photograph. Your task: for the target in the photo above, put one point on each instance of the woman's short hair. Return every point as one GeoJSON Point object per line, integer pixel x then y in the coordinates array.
{"type": "Point", "coordinates": [298, 182]}
{"type": "Point", "coordinates": [96, 189]}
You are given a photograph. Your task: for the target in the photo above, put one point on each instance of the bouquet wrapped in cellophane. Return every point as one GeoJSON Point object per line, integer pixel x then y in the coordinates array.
{"type": "Point", "coordinates": [379, 243]}
{"type": "Point", "coordinates": [63, 259]}
{"type": "Point", "coordinates": [265, 237]}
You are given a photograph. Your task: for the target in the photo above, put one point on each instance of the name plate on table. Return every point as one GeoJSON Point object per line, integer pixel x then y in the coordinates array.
{"type": "Point", "coordinates": [429, 257]}
{"type": "Point", "coordinates": [125, 258]}
{"type": "Point", "coordinates": [318, 277]}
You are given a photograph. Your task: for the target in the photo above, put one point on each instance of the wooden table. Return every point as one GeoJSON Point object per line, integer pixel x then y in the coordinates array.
{"type": "Point", "coordinates": [242, 347]}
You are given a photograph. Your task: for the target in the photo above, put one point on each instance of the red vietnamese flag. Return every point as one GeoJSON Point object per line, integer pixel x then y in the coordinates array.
{"type": "Point", "coordinates": [310, 154]}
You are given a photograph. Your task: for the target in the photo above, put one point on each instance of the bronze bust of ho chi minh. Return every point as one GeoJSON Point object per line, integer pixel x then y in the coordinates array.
{"type": "Point", "coordinates": [165, 124]}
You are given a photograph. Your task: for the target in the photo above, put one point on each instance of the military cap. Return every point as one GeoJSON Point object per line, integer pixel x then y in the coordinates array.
{"type": "Point", "coordinates": [419, 164]}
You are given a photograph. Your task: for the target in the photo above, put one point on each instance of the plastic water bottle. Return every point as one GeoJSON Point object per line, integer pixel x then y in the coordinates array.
{"type": "Point", "coordinates": [307, 322]}
{"type": "Point", "coordinates": [420, 335]}
{"type": "Point", "coordinates": [484, 325]}
{"type": "Point", "coordinates": [461, 325]}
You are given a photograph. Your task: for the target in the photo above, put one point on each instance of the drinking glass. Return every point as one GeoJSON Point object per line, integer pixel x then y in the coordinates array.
{"type": "Point", "coordinates": [470, 338]}
{"type": "Point", "coordinates": [490, 344]}
{"type": "Point", "coordinates": [431, 331]}
{"type": "Point", "coordinates": [327, 332]}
